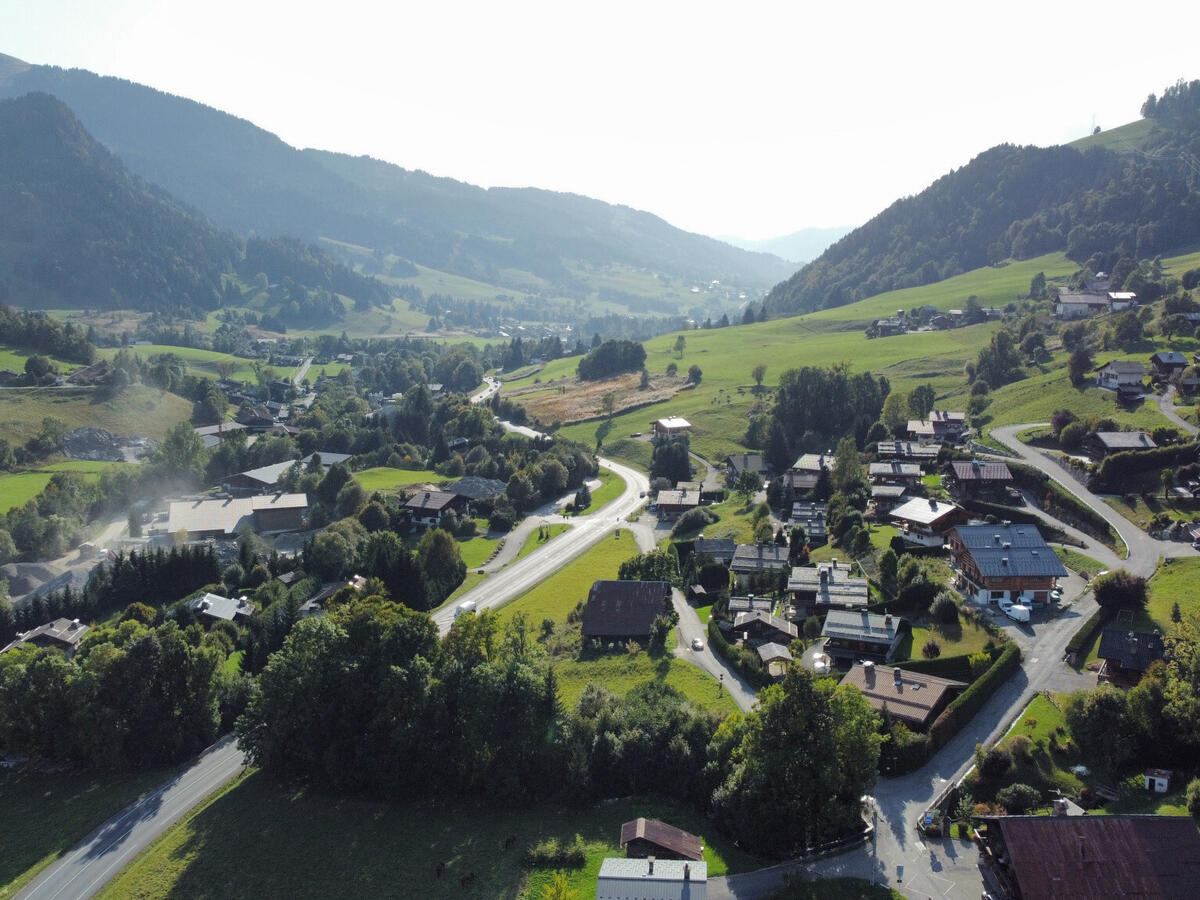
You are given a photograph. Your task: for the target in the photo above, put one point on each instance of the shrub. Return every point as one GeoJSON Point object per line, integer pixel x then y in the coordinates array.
{"type": "Point", "coordinates": [945, 609]}
{"type": "Point", "coordinates": [1021, 747]}
{"type": "Point", "coordinates": [694, 519]}
{"type": "Point", "coordinates": [554, 853]}
{"type": "Point", "coordinates": [1193, 797]}
{"type": "Point", "coordinates": [995, 763]}
{"type": "Point", "coordinates": [1120, 589]}
{"type": "Point", "coordinates": [1018, 798]}
{"type": "Point", "coordinates": [932, 649]}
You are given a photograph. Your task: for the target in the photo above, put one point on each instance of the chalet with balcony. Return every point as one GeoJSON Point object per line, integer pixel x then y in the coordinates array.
{"type": "Point", "coordinates": [811, 516]}
{"type": "Point", "coordinates": [1168, 363]}
{"type": "Point", "coordinates": [973, 478]}
{"type": "Point", "coordinates": [942, 425]}
{"type": "Point", "coordinates": [1127, 655]}
{"type": "Point", "coordinates": [914, 698]}
{"type": "Point", "coordinates": [854, 635]}
{"type": "Point", "coordinates": [825, 586]}
{"type": "Point", "coordinates": [1102, 443]}
{"type": "Point", "coordinates": [924, 521]}
{"type": "Point", "coordinates": [758, 559]}
{"type": "Point", "coordinates": [1121, 373]}
{"type": "Point", "coordinates": [1069, 307]}
{"type": "Point", "coordinates": [622, 611]}
{"type": "Point", "coordinates": [1003, 562]}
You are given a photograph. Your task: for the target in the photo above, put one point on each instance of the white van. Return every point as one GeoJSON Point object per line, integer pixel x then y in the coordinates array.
{"type": "Point", "coordinates": [1018, 613]}
{"type": "Point", "coordinates": [467, 606]}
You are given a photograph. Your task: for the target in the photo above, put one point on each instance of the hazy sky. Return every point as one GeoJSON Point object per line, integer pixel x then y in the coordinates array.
{"type": "Point", "coordinates": [751, 119]}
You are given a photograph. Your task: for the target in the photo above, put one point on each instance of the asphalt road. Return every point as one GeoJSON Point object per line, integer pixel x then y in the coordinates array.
{"type": "Point", "coordinates": [87, 868]}
{"type": "Point", "coordinates": [302, 371]}
{"type": "Point", "coordinates": [1166, 406]}
{"type": "Point", "coordinates": [690, 628]}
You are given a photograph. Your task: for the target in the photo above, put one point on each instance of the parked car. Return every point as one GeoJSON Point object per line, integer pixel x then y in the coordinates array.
{"type": "Point", "coordinates": [1005, 605]}
{"type": "Point", "coordinates": [697, 644]}
{"type": "Point", "coordinates": [1017, 612]}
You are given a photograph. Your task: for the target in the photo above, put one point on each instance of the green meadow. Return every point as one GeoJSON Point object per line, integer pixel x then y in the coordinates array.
{"type": "Point", "coordinates": [17, 488]}
{"type": "Point", "coordinates": [199, 362]}
{"type": "Point", "coordinates": [136, 410]}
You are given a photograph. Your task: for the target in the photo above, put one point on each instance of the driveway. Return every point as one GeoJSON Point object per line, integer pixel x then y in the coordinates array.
{"type": "Point", "coordinates": [1166, 406]}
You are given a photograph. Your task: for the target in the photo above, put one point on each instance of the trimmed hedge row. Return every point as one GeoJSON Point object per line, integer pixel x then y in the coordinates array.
{"type": "Point", "coordinates": [956, 668]}
{"type": "Point", "coordinates": [745, 662]}
{"type": "Point", "coordinates": [1114, 469]}
{"type": "Point", "coordinates": [1088, 629]}
{"type": "Point", "coordinates": [969, 702]}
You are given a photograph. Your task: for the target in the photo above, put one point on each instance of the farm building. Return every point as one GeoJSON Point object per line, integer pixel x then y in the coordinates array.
{"type": "Point", "coordinates": [216, 519]}
{"type": "Point", "coordinates": [649, 837]}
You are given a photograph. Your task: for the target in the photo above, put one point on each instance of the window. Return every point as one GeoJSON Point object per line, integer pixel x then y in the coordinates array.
{"type": "Point", "coordinates": [998, 595]}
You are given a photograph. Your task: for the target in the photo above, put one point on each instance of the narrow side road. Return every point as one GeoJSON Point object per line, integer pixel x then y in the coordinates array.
{"type": "Point", "coordinates": [1166, 406]}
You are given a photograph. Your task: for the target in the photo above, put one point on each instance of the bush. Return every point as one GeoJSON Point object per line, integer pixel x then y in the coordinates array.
{"type": "Point", "coordinates": [931, 650]}
{"type": "Point", "coordinates": [1193, 797]}
{"type": "Point", "coordinates": [694, 520]}
{"type": "Point", "coordinates": [945, 609]}
{"type": "Point", "coordinates": [745, 663]}
{"type": "Point", "coordinates": [1021, 747]}
{"type": "Point", "coordinates": [995, 763]}
{"type": "Point", "coordinates": [1018, 799]}
{"type": "Point", "coordinates": [1084, 635]}
{"type": "Point", "coordinates": [556, 854]}
{"type": "Point", "coordinates": [1120, 590]}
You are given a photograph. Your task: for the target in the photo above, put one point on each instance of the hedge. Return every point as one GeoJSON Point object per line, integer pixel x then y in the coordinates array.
{"type": "Point", "coordinates": [956, 668]}
{"type": "Point", "coordinates": [970, 701]}
{"type": "Point", "coordinates": [1115, 468]}
{"type": "Point", "coordinates": [1088, 629]}
{"type": "Point", "coordinates": [745, 662]}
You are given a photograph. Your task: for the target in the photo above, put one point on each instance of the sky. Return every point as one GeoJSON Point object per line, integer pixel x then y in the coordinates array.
{"type": "Point", "coordinates": [746, 119]}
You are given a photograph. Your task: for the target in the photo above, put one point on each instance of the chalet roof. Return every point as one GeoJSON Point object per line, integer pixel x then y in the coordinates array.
{"type": "Point", "coordinates": [746, 604]}
{"type": "Point", "coordinates": [268, 476]}
{"type": "Point", "coordinates": [974, 470]}
{"type": "Point", "coordinates": [1123, 367]}
{"type": "Point", "coordinates": [764, 620]}
{"type": "Point", "coordinates": [217, 607]}
{"type": "Point", "coordinates": [1001, 551]}
{"type": "Point", "coordinates": [861, 626]}
{"type": "Point", "coordinates": [1169, 358]}
{"type": "Point", "coordinates": [623, 608]}
{"type": "Point", "coordinates": [924, 510]}
{"type": "Point", "coordinates": [895, 491]}
{"type": "Point", "coordinates": [67, 633]}
{"type": "Point", "coordinates": [475, 488]}
{"type": "Point", "coordinates": [759, 558]}
{"type": "Point", "coordinates": [1130, 649]}
{"type": "Point", "coordinates": [894, 469]}
{"type": "Point", "coordinates": [833, 585]}
{"type": "Point", "coordinates": [812, 462]}
{"type": "Point", "coordinates": [673, 422]}
{"type": "Point", "coordinates": [1125, 440]}
{"type": "Point", "coordinates": [720, 549]}
{"type": "Point", "coordinates": [772, 652]}
{"type": "Point", "coordinates": [1083, 299]}
{"type": "Point", "coordinates": [1098, 857]}
{"type": "Point", "coordinates": [913, 697]}
{"type": "Point", "coordinates": [907, 450]}
{"type": "Point", "coordinates": [678, 498]}
{"type": "Point", "coordinates": [675, 840]}
{"type": "Point", "coordinates": [624, 879]}
{"type": "Point", "coordinates": [430, 501]}
{"type": "Point", "coordinates": [747, 462]}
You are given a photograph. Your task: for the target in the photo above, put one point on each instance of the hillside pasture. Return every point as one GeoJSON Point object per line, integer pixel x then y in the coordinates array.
{"type": "Point", "coordinates": [388, 479]}
{"type": "Point", "coordinates": [199, 362]}
{"type": "Point", "coordinates": [17, 488]}
{"type": "Point", "coordinates": [136, 410]}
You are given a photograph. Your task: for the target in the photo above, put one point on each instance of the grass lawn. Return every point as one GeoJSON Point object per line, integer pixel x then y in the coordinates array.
{"type": "Point", "coordinates": [1046, 768]}
{"type": "Point", "coordinates": [477, 550]}
{"type": "Point", "coordinates": [1174, 582]}
{"type": "Point", "coordinates": [557, 596]}
{"type": "Point", "coordinates": [45, 815]}
{"type": "Point", "coordinates": [620, 672]}
{"type": "Point", "coordinates": [1077, 562]}
{"type": "Point", "coordinates": [385, 478]}
{"type": "Point", "coordinates": [1145, 508]}
{"type": "Point", "coordinates": [15, 359]}
{"type": "Point", "coordinates": [17, 488]}
{"type": "Point", "coordinates": [259, 839]}
{"type": "Point", "coordinates": [534, 540]}
{"type": "Point", "coordinates": [736, 522]}
{"type": "Point", "coordinates": [199, 362]}
{"type": "Point", "coordinates": [136, 410]}
{"type": "Point", "coordinates": [704, 612]}
{"type": "Point", "coordinates": [955, 640]}
{"type": "Point", "coordinates": [610, 489]}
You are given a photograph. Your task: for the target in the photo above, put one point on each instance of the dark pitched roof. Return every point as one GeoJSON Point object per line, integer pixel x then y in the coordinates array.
{"type": "Point", "coordinates": [913, 697]}
{"type": "Point", "coordinates": [623, 608]}
{"type": "Point", "coordinates": [760, 557]}
{"type": "Point", "coordinates": [861, 626]}
{"type": "Point", "coordinates": [670, 838]}
{"type": "Point", "coordinates": [1054, 857]}
{"type": "Point", "coordinates": [1125, 440]}
{"type": "Point", "coordinates": [430, 501]}
{"type": "Point", "coordinates": [1130, 649]}
{"type": "Point", "coordinates": [757, 620]}
{"type": "Point", "coordinates": [720, 549]}
{"type": "Point", "coordinates": [974, 470]}
{"type": "Point", "coordinates": [1169, 358]}
{"type": "Point", "coordinates": [742, 462]}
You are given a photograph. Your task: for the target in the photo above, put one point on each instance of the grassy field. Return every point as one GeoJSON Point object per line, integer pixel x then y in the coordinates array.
{"type": "Point", "coordinates": [1078, 562]}
{"type": "Point", "coordinates": [478, 550]}
{"type": "Point", "coordinates": [557, 596]}
{"type": "Point", "coordinates": [259, 839]}
{"type": "Point", "coordinates": [621, 672]}
{"type": "Point", "coordinates": [1144, 508]}
{"type": "Point", "coordinates": [136, 410]}
{"type": "Point", "coordinates": [65, 808]}
{"type": "Point", "coordinates": [199, 362]}
{"type": "Point", "coordinates": [954, 640]}
{"type": "Point", "coordinates": [610, 489]}
{"type": "Point", "coordinates": [385, 478]}
{"type": "Point", "coordinates": [17, 488]}
{"type": "Point", "coordinates": [14, 358]}
{"type": "Point", "coordinates": [535, 540]}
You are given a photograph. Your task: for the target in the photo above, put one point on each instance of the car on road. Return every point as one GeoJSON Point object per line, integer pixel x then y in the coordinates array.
{"type": "Point", "coordinates": [636, 434]}
{"type": "Point", "coordinates": [697, 644]}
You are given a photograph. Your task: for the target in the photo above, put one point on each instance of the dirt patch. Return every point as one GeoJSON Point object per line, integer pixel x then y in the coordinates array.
{"type": "Point", "coordinates": [567, 400]}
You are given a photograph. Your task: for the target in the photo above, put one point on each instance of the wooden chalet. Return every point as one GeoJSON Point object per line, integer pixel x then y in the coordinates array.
{"type": "Point", "coordinates": [621, 611]}
{"type": "Point", "coordinates": [916, 699]}
{"type": "Point", "coordinates": [1127, 655]}
{"type": "Point", "coordinates": [650, 837]}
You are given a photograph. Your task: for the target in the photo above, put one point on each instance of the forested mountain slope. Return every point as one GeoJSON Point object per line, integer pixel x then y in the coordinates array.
{"type": "Point", "coordinates": [79, 230]}
{"type": "Point", "coordinates": [249, 180]}
{"type": "Point", "coordinates": [1019, 202]}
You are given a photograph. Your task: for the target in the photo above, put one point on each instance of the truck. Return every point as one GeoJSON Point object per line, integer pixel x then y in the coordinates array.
{"type": "Point", "coordinates": [1018, 613]}
{"type": "Point", "coordinates": [467, 606]}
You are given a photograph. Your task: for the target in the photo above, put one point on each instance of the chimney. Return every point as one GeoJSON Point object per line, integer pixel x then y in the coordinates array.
{"type": "Point", "coordinates": [897, 678]}
{"type": "Point", "coordinates": [1004, 561]}
{"type": "Point", "coordinates": [687, 872]}
{"type": "Point", "coordinates": [824, 575]}
{"type": "Point", "coordinates": [650, 859]}
{"type": "Point", "coordinates": [834, 562]}
{"type": "Point", "coordinates": [887, 620]}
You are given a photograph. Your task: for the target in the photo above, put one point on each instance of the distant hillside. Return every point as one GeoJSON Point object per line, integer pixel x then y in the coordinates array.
{"type": "Point", "coordinates": [79, 230]}
{"type": "Point", "coordinates": [798, 247]}
{"type": "Point", "coordinates": [247, 179]}
{"type": "Point", "coordinates": [1135, 194]}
